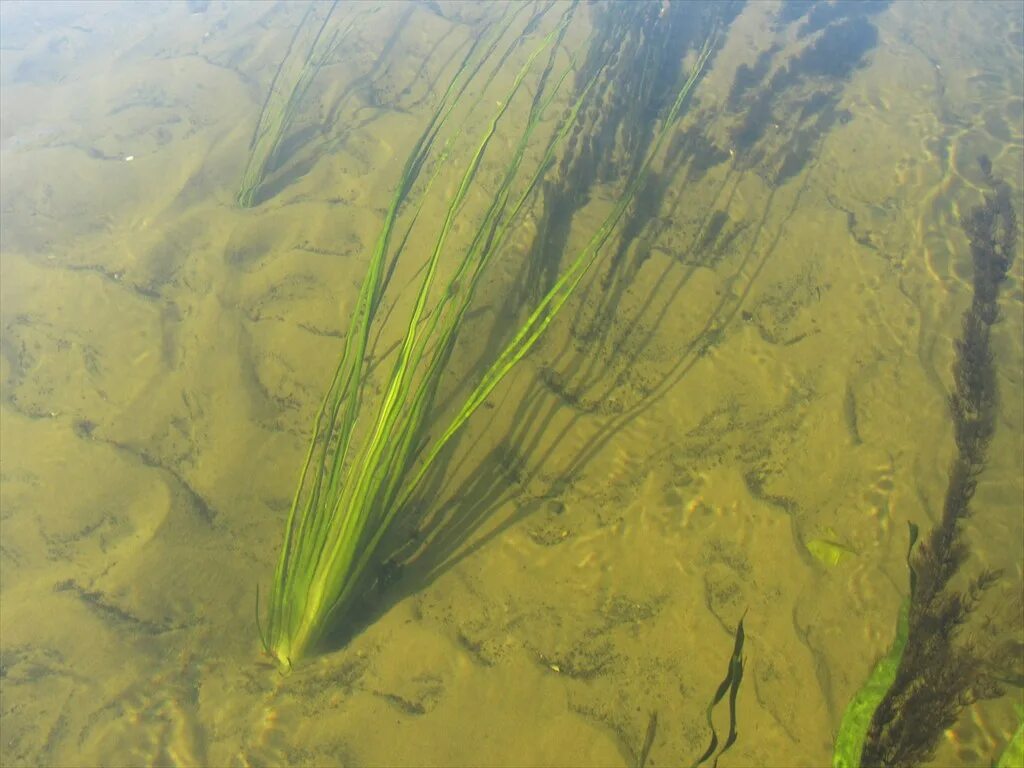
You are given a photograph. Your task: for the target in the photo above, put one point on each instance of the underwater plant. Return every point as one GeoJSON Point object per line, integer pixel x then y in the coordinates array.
{"type": "Point", "coordinates": [366, 458]}
{"type": "Point", "coordinates": [921, 686]}
{"type": "Point", "coordinates": [291, 81]}
{"type": "Point", "coordinates": [730, 684]}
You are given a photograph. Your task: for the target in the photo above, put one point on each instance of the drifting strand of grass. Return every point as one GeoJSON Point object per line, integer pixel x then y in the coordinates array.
{"type": "Point", "coordinates": [317, 500]}
{"type": "Point", "coordinates": [545, 312]}
{"type": "Point", "coordinates": [559, 292]}
{"type": "Point", "coordinates": [326, 578]}
{"type": "Point", "coordinates": [280, 109]}
{"type": "Point", "coordinates": [335, 528]}
{"type": "Point", "coordinates": [449, 143]}
{"type": "Point", "coordinates": [489, 237]}
{"type": "Point", "coordinates": [487, 241]}
{"type": "Point", "coordinates": [450, 99]}
{"type": "Point", "coordinates": [353, 357]}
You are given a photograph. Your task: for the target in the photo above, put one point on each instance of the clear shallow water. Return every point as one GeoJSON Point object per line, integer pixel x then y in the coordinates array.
{"type": "Point", "coordinates": [754, 381]}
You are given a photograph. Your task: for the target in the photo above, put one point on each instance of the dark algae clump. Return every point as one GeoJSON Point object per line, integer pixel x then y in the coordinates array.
{"type": "Point", "coordinates": [938, 676]}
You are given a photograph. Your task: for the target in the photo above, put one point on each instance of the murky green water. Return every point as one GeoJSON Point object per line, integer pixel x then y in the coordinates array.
{"type": "Point", "coordinates": [737, 414]}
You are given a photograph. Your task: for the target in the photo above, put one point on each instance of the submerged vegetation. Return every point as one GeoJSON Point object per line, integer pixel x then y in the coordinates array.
{"type": "Point", "coordinates": [919, 689]}
{"type": "Point", "coordinates": [368, 454]}
{"type": "Point", "coordinates": [574, 126]}
{"type": "Point", "coordinates": [730, 684]}
{"type": "Point", "coordinates": [307, 52]}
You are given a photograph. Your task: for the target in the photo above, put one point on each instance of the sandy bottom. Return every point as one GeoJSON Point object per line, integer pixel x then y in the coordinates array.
{"type": "Point", "coordinates": [736, 428]}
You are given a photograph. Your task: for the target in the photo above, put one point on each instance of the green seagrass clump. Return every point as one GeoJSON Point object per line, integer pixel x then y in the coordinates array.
{"type": "Point", "coordinates": [366, 456]}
